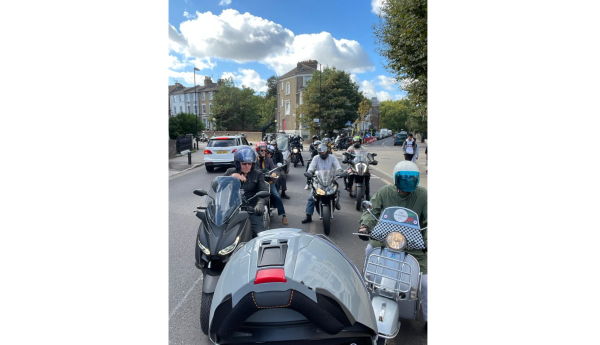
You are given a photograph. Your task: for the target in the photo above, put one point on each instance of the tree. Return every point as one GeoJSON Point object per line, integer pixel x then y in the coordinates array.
{"type": "Point", "coordinates": [271, 87]}
{"type": "Point", "coordinates": [394, 114]}
{"type": "Point", "coordinates": [234, 108]}
{"type": "Point", "coordinates": [182, 124]}
{"type": "Point", "coordinates": [266, 110]}
{"type": "Point", "coordinates": [364, 108]}
{"type": "Point", "coordinates": [340, 100]}
{"type": "Point", "coordinates": [402, 38]}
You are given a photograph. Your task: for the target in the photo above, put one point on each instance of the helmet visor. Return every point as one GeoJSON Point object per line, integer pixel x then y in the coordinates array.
{"type": "Point", "coordinates": [407, 181]}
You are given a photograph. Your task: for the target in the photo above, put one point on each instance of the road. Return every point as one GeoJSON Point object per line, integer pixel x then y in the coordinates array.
{"type": "Point", "coordinates": [185, 282]}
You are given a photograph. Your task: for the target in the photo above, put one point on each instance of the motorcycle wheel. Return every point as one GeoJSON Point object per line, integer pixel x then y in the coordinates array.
{"type": "Point", "coordinates": [205, 311]}
{"type": "Point", "coordinates": [359, 196]}
{"type": "Point", "coordinates": [295, 164]}
{"type": "Point", "coordinates": [266, 217]}
{"type": "Point", "coordinates": [326, 219]}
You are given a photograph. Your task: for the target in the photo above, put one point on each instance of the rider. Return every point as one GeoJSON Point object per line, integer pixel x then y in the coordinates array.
{"type": "Point", "coordinates": [405, 192]}
{"type": "Point", "coordinates": [253, 181]}
{"type": "Point", "coordinates": [296, 141]}
{"type": "Point", "coordinates": [326, 162]}
{"type": "Point", "coordinates": [278, 156]}
{"type": "Point", "coordinates": [265, 164]}
{"type": "Point", "coordinates": [352, 149]}
{"type": "Point", "coordinates": [281, 181]}
{"type": "Point", "coordinates": [312, 146]}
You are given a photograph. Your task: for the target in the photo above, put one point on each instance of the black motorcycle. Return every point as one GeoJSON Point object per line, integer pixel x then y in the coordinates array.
{"type": "Point", "coordinates": [270, 206]}
{"type": "Point", "coordinates": [359, 168]}
{"type": "Point", "coordinates": [296, 148]}
{"type": "Point", "coordinates": [224, 225]}
{"type": "Point", "coordinates": [325, 193]}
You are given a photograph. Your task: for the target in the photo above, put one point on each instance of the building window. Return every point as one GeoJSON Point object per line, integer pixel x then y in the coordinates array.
{"type": "Point", "coordinates": [287, 88]}
{"type": "Point", "coordinates": [203, 108]}
{"type": "Point", "coordinates": [204, 96]}
{"type": "Point", "coordinates": [188, 97]}
{"type": "Point", "coordinates": [306, 80]}
{"type": "Point", "coordinates": [282, 102]}
{"type": "Point", "coordinates": [210, 108]}
{"type": "Point", "coordinates": [287, 107]}
{"type": "Point", "coordinates": [181, 98]}
{"type": "Point", "coordinates": [282, 86]}
{"type": "Point", "coordinates": [210, 96]}
{"type": "Point", "coordinates": [180, 109]}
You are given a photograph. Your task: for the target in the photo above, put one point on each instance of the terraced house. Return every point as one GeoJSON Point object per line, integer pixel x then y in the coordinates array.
{"type": "Point", "coordinates": [289, 91]}
{"type": "Point", "coordinates": [183, 100]}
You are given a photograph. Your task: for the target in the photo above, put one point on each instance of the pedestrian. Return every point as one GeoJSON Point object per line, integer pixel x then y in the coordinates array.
{"type": "Point", "coordinates": [408, 147]}
{"type": "Point", "coordinates": [416, 156]}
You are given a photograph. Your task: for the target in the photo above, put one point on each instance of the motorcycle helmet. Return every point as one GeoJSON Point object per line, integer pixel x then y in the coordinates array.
{"type": "Point", "coordinates": [356, 142]}
{"type": "Point", "coordinates": [406, 176]}
{"type": "Point", "coordinates": [326, 141]}
{"type": "Point", "coordinates": [243, 154]}
{"type": "Point", "coordinates": [274, 142]}
{"type": "Point", "coordinates": [259, 145]}
{"type": "Point", "coordinates": [323, 151]}
{"type": "Point", "coordinates": [270, 149]}
{"type": "Point", "coordinates": [315, 137]}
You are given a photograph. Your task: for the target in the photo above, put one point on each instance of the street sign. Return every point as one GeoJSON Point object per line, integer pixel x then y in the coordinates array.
{"type": "Point", "coordinates": [315, 120]}
{"type": "Point", "coordinates": [348, 123]}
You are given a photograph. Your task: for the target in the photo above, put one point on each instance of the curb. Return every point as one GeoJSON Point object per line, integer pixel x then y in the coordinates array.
{"type": "Point", "coordinates": [190, 168]}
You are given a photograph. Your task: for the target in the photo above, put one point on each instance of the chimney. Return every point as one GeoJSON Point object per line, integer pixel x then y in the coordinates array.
{"type": "Point", "coordinates": [219, 82]}
{"type": "Point", "coordinates": [208, 81]}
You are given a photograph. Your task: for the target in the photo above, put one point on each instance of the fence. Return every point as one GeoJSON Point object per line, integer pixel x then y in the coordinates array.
{"type": "Point", "coordinates": [182, 144]}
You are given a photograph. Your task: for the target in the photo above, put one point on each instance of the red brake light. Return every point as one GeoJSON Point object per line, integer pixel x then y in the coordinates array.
{"type": "Point", "coordinates": [233, 150]}
{"type": "Point", "coordinates": [270, 275]}
{"type": "Point", "coordinates": [207, 152]}
{"type": "Point", "coordinates": [222, 138]}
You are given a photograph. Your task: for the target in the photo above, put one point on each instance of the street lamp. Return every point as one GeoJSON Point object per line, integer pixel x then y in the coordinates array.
{"type": "Point", "coordinates": [196, 103]}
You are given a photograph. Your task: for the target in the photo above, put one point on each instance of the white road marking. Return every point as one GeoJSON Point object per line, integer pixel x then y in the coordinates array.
{"type": "Point", "coordinates": [184, 297]}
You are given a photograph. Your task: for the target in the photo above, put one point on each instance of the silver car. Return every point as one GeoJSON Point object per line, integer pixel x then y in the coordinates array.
{"type": "Point", "coordinates": [219, 151]}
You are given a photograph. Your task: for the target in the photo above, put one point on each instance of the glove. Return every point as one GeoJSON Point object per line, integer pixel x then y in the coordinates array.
{"type": "Point", "coordinates": [339, 171]}
{"type": "Point", "coordinates": [259, 209]}
{"type": "Point", "coordinates": [366, 233]}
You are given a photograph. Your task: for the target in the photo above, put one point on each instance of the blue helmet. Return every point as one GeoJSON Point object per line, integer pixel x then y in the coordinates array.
{"type": "Point", "coordinates": [244, 154]}
{"type": "Point", "coordinates": [406, 176]}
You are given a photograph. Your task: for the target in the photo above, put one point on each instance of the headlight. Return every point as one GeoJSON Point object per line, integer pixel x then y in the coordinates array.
{"type": "Point", "coordinates": [360, 168]}
{"type": "Point", "coordinates": [295, 151]}
{"type": "Point", "coordinates": [203, 248]}
{"type": "Point", "coordinates": [229, 248]}
{"type": "Point", "coordinates": [395, 240]}
{"type": "Point", "coordinates": [331, 189]}
{"type": "Point", "coordinates": [320, 191]}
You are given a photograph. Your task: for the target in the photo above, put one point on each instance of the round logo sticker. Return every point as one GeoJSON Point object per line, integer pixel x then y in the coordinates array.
{"type": "Point", "coordinates": [385, 216]}
{"type": "Point", "coordinates": [400, 216]}
{"type": "Point", "coordinates": [415, 222]}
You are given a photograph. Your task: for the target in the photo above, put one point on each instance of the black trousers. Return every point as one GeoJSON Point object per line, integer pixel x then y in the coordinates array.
{"type": "Point", "coordinates": [408, 156]}
{"type": "Point", "coordinates": [257, 224]}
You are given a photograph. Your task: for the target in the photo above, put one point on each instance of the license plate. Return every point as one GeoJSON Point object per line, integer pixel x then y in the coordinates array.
{"type": "Point", "coordinates": [222, 151]}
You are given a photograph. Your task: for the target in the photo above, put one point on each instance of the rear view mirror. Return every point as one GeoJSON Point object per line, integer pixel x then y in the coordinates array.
{"type": "Point", "coordinates": [367, 205]}
{"type": "Point", "coordinates": [307, 174]}
{"type": "Point", "coordinates": [373, 154]}
{"type": "Point", "coordinates": [200, 192]}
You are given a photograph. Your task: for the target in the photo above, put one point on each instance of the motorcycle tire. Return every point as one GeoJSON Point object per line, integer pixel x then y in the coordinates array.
{"type": "Point", "coordinates": [205, 311]}
{"type": "Point", "coordinates": [295, 164]}
{"type": "Point", "coordinates": [326, 219]}
{"type": "Point", "coordinates": [266, 217]}
{"type": "Point", "coordinates": [359, 196]}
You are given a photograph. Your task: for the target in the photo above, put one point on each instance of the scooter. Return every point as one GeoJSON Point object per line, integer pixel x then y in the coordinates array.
{"type": "Point", "coordinates": [224, 224]}
{"type": "Point", "coordinates": [270, 206]}
{"type": "Point", "coordinates": [359, 168]}
{"type": "Point", "coordinates": [291, 287]}
{"type": "Point", "coordinates": [393, 277]}
{"type": "Point", "coordinates": [325, 192]}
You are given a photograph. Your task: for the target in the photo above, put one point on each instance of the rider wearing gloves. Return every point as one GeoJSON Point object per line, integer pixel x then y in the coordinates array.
{"type": "Point", "coordinates": [352, 149]}
{"type": "Point", "coordinates": [281, 181]}
{"type": "Point", "coordinates": [253, 181]}
{"type": "Point", "coordinates": [405, 192]}
{"type": "Point", "coordinates": [265, 164]}
{"type": "Point", "coordinates": [313, 153]}
{"type": "Point", "coordinates": [324, 162]}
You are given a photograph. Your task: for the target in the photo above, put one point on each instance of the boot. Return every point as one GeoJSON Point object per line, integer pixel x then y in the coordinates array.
{"type": "Point", "coordinates": [284, 196]}
{"type": "Point", "coordinates": [308, 219]}
{"type": "Point", "coordinates": [284, 220]}
{"type": "Point", "coordinates": [337, 204]}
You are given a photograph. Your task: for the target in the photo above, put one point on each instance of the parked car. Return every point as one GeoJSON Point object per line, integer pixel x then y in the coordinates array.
{"type": "Point", "coordinates": [378, 135]}
{"type": "Point", "coordinates": [219, 151]}
{"type": "Point", "coordinates": [400, 137]}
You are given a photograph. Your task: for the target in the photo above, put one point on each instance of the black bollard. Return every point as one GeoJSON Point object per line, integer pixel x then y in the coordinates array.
{"type": "Point", "coordinates": [189, 158]}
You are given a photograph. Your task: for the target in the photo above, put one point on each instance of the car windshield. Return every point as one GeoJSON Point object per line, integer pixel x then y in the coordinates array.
{"type": "Point", "coordinates": [221, 143]}
{"type": "Point", "coordinates": [224, 198]}
{"type": "Point", "coordinates": [325, 177]}
{"type": "Point", "coordinates": [282, 142]}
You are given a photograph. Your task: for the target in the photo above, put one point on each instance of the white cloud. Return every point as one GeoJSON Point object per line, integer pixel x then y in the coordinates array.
{"type": "Point", "coordinates": [354, 78]}
{"type": "Point", "coordinates": [224, 2]}
{"type": "Point", "coordinates": [344, 54]}
{"type": "Point", "coordinates": [249, 78]}
{"type": "Point", "coordinates": [174, 63]}
{"type": "Point", "coordinates": [383, 96]}
{"type": "Point", "coordinates": [368, 88]}
{"type": "Point", "coordinates": [399, 97]}
{"type": "Point", "coordinates": [376, 6]}
{"type": "Point", "coordinates": [185, 78]}
{"type": "Point", "coordinates": [204, 63]}
{"type": "Point", "coordinates": [386, 82]}
{"type": "Point", "coordinates": [244, 38]}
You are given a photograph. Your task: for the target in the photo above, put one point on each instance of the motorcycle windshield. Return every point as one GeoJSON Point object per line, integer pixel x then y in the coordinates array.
{"type": "Point", "coordinates": [360, 156]}
{"type": "Point", "coordinates": [224, 199]}
{"type": "Point", "coordinates": [282, 143]}
{"type": "Point", "coordinates": [325, 177]}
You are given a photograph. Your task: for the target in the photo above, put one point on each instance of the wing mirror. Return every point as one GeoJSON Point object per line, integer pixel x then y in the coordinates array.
{"type": "Point", "coordinates": [369, 208]}
{"type": "Point", "coordinates": [200, 192]}
{"type": "Point", "coordinates": [307, 174]}
{"type": "Point", "coordinates": [373, 154]}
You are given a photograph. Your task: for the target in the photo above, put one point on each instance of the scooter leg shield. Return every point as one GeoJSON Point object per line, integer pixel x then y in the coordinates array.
{"type": "Point", "coordinates": [387, 316]}
{"type": "Point", "coordinates": [209, 283]}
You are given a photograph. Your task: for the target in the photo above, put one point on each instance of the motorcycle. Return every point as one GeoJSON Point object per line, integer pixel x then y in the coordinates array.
{"type": "Point", "coordinates": [296, 152]}
{"type": "Point", "coordinates": [203, 138]}
{"type": "Point", "coordinates": [289, 286]}
{"type": "Point", "coordinates": [224, 224]}
{"type": "Point", "coordinates": [270, 206]}
{"type": "Point", "coordinates": [325, 192]}
{"type": "Point", "coordinates": [392, 276]}
{"type": "Point", "coordinates": [359, 168]}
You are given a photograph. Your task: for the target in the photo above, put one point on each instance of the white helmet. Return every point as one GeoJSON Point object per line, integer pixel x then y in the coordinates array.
{"type": "Point", "coordinates": [406, 176]}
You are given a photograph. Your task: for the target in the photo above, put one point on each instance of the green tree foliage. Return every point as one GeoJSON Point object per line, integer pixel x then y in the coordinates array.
{"type": "Point", "coordinates": [272, 87]}
{"type": "Point", "coordinates": [394, 114]}
{"type": "Point", "coordinates": [364, 108]}
{"type": "Point", "coordinates": [402, 38]}
{"type": "Point", "coordinates": [182, 124]}
{"type": "Point", "coordinates": [234, 108]}
{"type": "Point", "coordinates": [340, 100]}
{"type": "Point", "coordinates": [266, 110]}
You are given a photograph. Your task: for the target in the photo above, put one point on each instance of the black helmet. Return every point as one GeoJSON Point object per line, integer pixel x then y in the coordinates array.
{"type": "Point", "coordinates": [323, 151]}
{"type": "Point", "coordinates": [315, 137]}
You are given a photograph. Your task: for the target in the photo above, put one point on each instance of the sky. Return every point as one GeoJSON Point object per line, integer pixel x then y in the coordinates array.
{"type": "Point", "coordinates": [250, 41]}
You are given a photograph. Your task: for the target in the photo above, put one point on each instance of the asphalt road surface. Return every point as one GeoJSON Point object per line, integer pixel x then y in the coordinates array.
{"type": "Point", "coordinates": [185, 280]}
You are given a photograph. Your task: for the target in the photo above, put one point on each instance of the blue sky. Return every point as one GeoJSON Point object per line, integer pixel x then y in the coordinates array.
{"type": "Point", "coordinates": [251, 40]}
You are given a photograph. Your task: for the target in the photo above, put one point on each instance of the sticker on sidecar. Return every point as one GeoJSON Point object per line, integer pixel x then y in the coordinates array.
{"type": "Point", "coordinates": [400, 215]}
